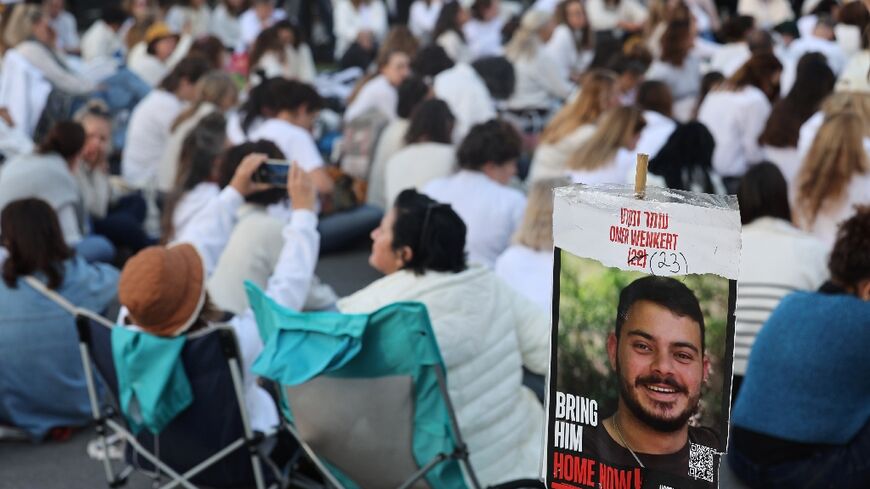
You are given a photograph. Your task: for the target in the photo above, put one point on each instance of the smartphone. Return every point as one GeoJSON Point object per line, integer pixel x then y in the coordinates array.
{"type": "Point", "coordinates": [273, 172]}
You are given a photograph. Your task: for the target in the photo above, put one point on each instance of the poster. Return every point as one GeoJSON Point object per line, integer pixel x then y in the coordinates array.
{"type": "Point", "coordinates": [642, 340]}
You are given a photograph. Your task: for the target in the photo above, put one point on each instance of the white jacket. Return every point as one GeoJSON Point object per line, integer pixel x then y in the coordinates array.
{"type": "Point", "coordinates": [486, 332]}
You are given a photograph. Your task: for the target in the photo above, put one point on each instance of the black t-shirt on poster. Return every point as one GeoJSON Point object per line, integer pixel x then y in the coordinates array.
{"type": "Point", "coordinates": [671, 470]}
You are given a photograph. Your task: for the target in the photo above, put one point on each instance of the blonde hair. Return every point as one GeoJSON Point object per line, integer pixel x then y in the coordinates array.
{"type": "Point", "coordinates": [598, 88]}
{"type": "Point", "coordinates": [536, 230]}
{"type": "Point", "coordinates": [836, 156]}
{"type": "Point", "coordinates": [615, 128]}
{"type": "Point", "coordinates": [525, 42]}
{"type": "Point", "coordinates": [214, 87]}
{"type": "Point", "coordinates": [849, 101]}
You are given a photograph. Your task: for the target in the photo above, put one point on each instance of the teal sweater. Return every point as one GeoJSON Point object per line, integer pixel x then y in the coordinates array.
{"type": "Point", "coordinates": [808, 378]}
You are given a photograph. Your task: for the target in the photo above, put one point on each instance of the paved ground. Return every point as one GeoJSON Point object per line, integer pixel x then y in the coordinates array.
{"type": "Point", "coordinates": [66, 465]}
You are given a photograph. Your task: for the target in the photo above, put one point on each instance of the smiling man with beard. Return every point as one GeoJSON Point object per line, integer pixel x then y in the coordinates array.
{"type": "Point", "coordinates": [657, 352]}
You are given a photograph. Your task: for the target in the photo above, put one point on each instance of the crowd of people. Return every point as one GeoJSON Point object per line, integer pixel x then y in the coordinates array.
{"type": "Point", "coordinates": [437, 130]}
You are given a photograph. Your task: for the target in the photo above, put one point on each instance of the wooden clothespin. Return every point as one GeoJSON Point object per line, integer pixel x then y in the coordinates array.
{"type": "Point", "coordinates": [640, 176]}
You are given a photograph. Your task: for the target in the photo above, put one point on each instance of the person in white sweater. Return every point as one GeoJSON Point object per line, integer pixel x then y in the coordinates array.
{"type": "Point", "coordinates": [483, 31]}
{"type": "Point", "coordinates": [448, 32]}
{"type": "Point", "coordinates": [423, 15]}
{"type": "Point", "coordinates": [196, 183]}
{"type": "Point", "coordinates": [815, 81]}
{"type": "Point", "coordinates": [678, 66]}
{"type": "Point", "coordinates": [254, 247]}
{"type": "Point", "coordinates": [480, 193]}
{"type": "Point", "coordinates": [571, 44]}
{"type": "Point", "coordinates": [191, 16]}
{"type": "Point", "coordinates": [64, 24]}
{"type": "Point", "coordinates": [536, 87]}
{"type": "Point", "coordinates": [379, 93]}
{"type": "Point", "coordinates": [772, 246]}
{"type": "Point", "coordinates": [834, 177]}
{"type": "Point", "coordinates": [225, 22]}
{"type": "Point", "coordinates": [527, 265]}
{"type": "Point", "coordinates": [574, 124]}
{"type": "Point", "coordinates": [471, 91]}
{"type": "Point", "coordinates": [486, 333]}
{"type": "Point", "coordinates": [160, 51]}
{"type": "Point", "coordinates": [736, 113]}
{"type": "Point", "coordinates": [412, 92]}
{"type": "Point", "coordinates": [604, 157]}
{"type": "Point", "coordinates": [214, 92]}
{"type": "Point", "coordinates": [654, 98]}
{"type": "Point", "coordinates": [252, 21]}
{"type": "Point", "coordinates": [151, 122]}
{"type": "Point", "coordinates": [102, 39]}
{"type": "Point", "coordinates": [280, 51]}
{"type": "Point", "coordinates": [428, 153]}
{"type": "Point", "coordinates": [358, 22]}
{"type": "Point", "coordinates": [767, 13]}
{"type": "Point", "coordinates": [627, 15]}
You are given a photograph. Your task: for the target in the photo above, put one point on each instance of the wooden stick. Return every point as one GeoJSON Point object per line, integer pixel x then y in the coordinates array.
{"type": "Point", "coordinates": [640, 175]}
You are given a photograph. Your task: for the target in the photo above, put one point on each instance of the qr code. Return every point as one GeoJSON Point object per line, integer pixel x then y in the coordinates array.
{"type": "Point", "coordinates": [701, 462]}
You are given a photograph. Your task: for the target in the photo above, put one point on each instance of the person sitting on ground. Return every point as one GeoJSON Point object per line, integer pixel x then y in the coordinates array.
{"type": "Point", "coordinates": [735, 113]}
{"type": "Point", "coordinates": [163, 288]}
{"type": "Point", "coordinates": [41, 374]}
{"type": "Point", "coordinates": [102, 39]}
{"type": "Point", "coordinates": [114, 213]}
{"type": "Point", "coordinates": [412, 92]}
{"type": "Point", "coordinates": [196, 181]}
{"type": "Point", "coordinates": [606, 156]}
{"type": "Point", "coordinates": [428, 153]}
{"type": "Point", "coordinates": [482, 31]}
{"type": "Point", "coordinates": [159, 52]}
{"type": "Point", "coordinates": [64, 24]}
{"type": "Point", "coordinates": [419, 246]}
{"type": "Point", "coordinates": [359, 26]}
{"type": "Point", "coordinates": [284, 111]}
{"type": "Point", "coordinates": [379, 92]}
{"type": "Point", "coordinates": [834, 177]}
{"type": "Point", "coordinates": [225, 22]}
{"type": "Point", "coordinates": [537, 90]}
{"type": "Point", "coordinates": [215, 92]}
{"type": "Point", "coordinates": [151, 122]}
{"type": "Point", "coordinates": [49, 174]}
{"type": "Point", "coordinates": [678, 67]}
{"type": "Point", "coordinates": [479, 192]}
{"type": "Point", "coordinates": [471, 91]}
{"type": "Point", "coordinates": [527, 265]}
{"type": "Point", "coordinates": [191, 16]}
{"type": "Point", "coordinates": [574, 124]}
{"type": "Point", "coordinates": [254, 248]}
{"type": "Point", "coordinates": [261, 15]}
{"type": "Point", "coordinates": [571, 44]}
{"type": "Point", "coordinates": [778, 439]}
{"type": "Point", "coordinates": [734, 52]}
{"type": "Point", "coordinates": [771, 247]}
{"type": "Point", "coordinates": [654, 98]}
{"type": "Point", "coordinates": [280, 51]}
{"type": "Point", "coordinates": [448, 32]}
{"type": "Point", "coordinates": [814, 82]}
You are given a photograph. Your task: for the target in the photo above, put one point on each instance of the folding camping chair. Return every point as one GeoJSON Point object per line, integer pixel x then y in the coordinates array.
{"type": "Point", "coordinates": [211, 442]}
{"type": "Point", "coordinates": [382, 417]}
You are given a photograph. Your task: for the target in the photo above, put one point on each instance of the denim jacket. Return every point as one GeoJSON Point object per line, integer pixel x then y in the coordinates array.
{"type": "Point", "coordinates": [41, 377]}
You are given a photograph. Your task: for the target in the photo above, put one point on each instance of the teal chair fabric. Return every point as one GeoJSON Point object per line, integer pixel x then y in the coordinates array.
{"type": "Point", "coordinates": [152, 384]}
{"type": "Point", "coordinates": [396, 340]}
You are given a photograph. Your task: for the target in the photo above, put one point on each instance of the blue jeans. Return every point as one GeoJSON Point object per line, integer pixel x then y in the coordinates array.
{"type": "Point", "coordinates": [95, 248]}
{"type": "Point", "coordinates": [121, 92]}
{"type": "Point", "coordinates": [841, 467]}
{"type": "Point", "coordinates": [345, 229]}
{"type": "Point", "coordinates": [123, 224]}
